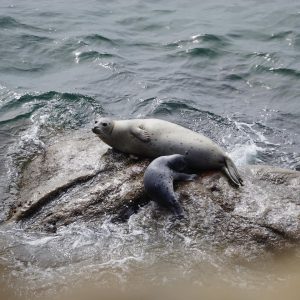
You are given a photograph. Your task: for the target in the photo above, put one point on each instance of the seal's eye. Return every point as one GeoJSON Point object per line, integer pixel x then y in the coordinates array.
{"type": "Point", "coordinates": [104, 124]}
{"type": "Point", "coordinates": [96, 122]}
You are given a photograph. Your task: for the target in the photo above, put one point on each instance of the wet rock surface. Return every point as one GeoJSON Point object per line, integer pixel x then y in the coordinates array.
{"type": "Point", "coordinates": [80, 178]}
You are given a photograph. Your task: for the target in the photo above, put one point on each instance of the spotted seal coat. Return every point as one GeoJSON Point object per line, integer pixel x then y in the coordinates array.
{"type": "Point", "coordinates": [159, 177]}
{"type": "Point", "coordinates": [154, 137]}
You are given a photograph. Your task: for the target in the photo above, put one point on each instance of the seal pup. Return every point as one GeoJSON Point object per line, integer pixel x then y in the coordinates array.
{"type": "Point", "coordinates": [154, 137]}
{"type": "Point", "coordinates": [159, 177]}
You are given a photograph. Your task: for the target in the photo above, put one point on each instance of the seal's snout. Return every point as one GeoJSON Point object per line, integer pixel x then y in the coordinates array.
{"type": "Point", "coordinates": [95, 129]}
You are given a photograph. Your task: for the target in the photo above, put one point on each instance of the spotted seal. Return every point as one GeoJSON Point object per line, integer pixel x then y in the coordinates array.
{"type": "Point", "coordinates": [154, 137]}
{"type": "Point", "coordinates": [159, 177]}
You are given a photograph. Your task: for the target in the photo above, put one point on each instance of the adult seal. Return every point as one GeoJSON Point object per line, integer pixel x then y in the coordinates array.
{"type": "Point", "coordinates": [158, 181]}
{"type": "Point", "coordinates": [154, 137]}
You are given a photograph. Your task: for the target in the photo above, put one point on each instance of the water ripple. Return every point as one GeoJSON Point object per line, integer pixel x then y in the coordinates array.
{"type": "Point", "coordinates": [7, 22]}
{"type": "Point", "coordinates": [202, 52]}
{"type": "Point", "coordinates": [281, 71]}
{"type": "Point", "coordinates": [99, 39]}
{"type": "Point", "coordinates": [217, 41]}
{"type": "Point", "coordinates": [281, 35]}
{"type": "Point", "coordinates": [60, 109]}
{"type": "Point", "coordinates": [92, 55]}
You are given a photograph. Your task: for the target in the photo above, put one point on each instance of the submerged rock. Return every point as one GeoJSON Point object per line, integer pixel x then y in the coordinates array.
{"type": "Point", "coordinates": [80, 178]}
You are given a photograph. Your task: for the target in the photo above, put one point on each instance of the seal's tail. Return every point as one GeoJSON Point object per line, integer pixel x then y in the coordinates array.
{"type": "Point", "coordinates": [232, 172]}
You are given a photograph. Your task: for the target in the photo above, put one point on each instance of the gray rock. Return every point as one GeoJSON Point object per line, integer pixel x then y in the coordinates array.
{"type": "Point", "coordinates": [69, 161]}
{"type": "Point", "coordinates": [80, 178]}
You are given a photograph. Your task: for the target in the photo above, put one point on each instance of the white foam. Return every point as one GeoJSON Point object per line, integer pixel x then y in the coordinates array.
{"type": "Point", "coordinates": [28, 144]}
{"type": "Point", "coordinates": [41, 241]}
{"type": "Point", "coordinates": [77, 54]}
{"type": "Point", "coordinates": [7, 95]}
{"type": "Point", "coordinates": [245, 154]}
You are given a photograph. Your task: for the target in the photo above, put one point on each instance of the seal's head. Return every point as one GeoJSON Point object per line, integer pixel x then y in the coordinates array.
{"type": "Point", "coordinates": [103, 127]}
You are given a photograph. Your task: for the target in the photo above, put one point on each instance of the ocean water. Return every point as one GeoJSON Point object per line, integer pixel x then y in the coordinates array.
{"type": "Point", "coordinates": [228, 69]}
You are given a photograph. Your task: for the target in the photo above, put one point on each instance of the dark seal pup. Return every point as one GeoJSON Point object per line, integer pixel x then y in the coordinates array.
{"type": "Point", "coordinates": [154, 137]}
{"type": "Point", "coordinates": [159, 177]}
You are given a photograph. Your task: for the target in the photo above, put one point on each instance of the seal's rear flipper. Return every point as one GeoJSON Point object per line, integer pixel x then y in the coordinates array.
{"type": "Point", "coordinates": [232, 173]}
{"type": "Point", "coordinates": [232, 166]}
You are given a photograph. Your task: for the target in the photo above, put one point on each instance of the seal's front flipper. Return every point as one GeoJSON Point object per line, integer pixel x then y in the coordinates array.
{"type": "Point", "coordinates": [140, 133]}
{"type": "Point", "coordinates": [184, 176]}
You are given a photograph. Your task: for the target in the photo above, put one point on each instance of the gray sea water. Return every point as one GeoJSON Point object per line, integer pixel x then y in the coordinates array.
{"type": "Point", "coordinates": [228, 69]}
